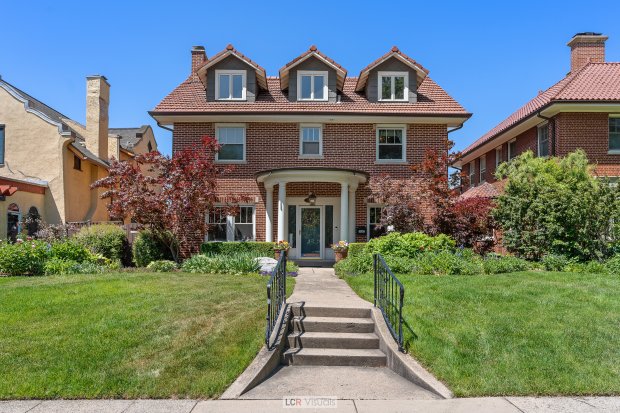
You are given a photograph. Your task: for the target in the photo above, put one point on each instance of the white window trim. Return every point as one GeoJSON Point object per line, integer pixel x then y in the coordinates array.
{"type": "Point", "coordinates": [472, 173]}
{"type": "Point", "coordinates": [404, 149]}
{"type": "Point", "coordinates": [510, 154]}
{"type": "Point", "coordinates": [612, 151]}
{"type": "Point", "coordinates": [482, 174]}
{"type": "Point", "coordinates": [368, 206]}
{"type": "Point", "coordinates": [538, 129]}
{"type": "Point", "coordinates": [301, 141]}
{"type": "Point", "coordinates": [312, 73]}
{"type": "Point", "coordinates": [392, 75]}
{"type": "Point", "coordinates": [230, 72]}
{"type": "Point", "coordinates": [230, 223]}
{"type": "Point", "coordinates": [498, 159]}
{"type": "Point", "coordinates": [217, 138]}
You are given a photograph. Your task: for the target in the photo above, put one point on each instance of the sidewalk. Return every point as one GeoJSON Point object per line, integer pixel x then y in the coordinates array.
{"type": "Point", "coordinates": [474, 405]}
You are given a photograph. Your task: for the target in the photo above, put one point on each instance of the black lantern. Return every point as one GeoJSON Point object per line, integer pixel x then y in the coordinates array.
{"type": "Point", "coordinates": [311, 199]}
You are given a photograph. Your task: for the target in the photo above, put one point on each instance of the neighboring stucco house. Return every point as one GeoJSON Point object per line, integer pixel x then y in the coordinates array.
{"type": "Point", "coordinates": [48, 161]}
{"type": "Point", "coordinates": [581, 111]}
{"type": "Point", "coordinates": [306, 143]}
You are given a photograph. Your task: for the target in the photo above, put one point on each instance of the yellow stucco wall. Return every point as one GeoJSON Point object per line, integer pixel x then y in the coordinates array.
{"type": "Point", "coordinates": [24, 201]}
{"type": "Point", "coordinates": [32, 150]}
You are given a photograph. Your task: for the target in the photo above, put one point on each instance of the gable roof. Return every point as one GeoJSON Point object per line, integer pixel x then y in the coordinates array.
{"type": "Point", "coordinates": [485, 190]}
{"type": "Point", "coordinates": [129, 137]}
{"type": "Point", "coordinates": [189, 99]}
{"type": "Point", "coordinates": [595, 83]}
{"type": "Point", "coordinates": [341, 72]}
{"type": "Point", "coordinates": [261, 74]}
{"type": "Point", "coordinates": [396, 53]}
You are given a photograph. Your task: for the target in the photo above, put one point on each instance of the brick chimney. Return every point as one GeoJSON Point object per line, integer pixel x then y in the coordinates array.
{"type": "Point", "coordinates": [97, 103]}
{"type": "Point", "coordinates": [585, 48]}
{"type": "Point", "coordinates": [199, 56]}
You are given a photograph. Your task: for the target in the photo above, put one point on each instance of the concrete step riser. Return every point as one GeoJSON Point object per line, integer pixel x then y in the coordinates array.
{"type": "Point", "coordinates": [332, 342]}
{"type": "Point", "coordinates": [331, 312]}
{"type": "Point", "coordinates": [332, 327]}
{"type": "Point", "coordinates": [325, 360]}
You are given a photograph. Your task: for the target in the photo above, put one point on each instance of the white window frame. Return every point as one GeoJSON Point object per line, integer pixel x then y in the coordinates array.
{"type": "Point", "coordinates": [219, 126]}
{"type": "Point", "coordinates": [511, 155]}
{"type": "Point", "coordinates": [301, 140]}
{"type": "Point", "coordinates": [313, 74]}
{"type": "Point", "coordinates": [482, 177]}
{"type": "Point", "coordinates": [472, 174]}
{"type": "Point", "coordinates": [218, 73]}
{"type": "Point", "coordinates": [498, 156]}
{"type": "Point", "coordinates": [230, 223]}
{"type": "Point", "coordinates": [380, 75]}
{"type": "Point", "coordinates": [368, 207]}
{"type": "Point", "coordinates": [538, 129]}
{"type": "Point", "coordinates": [404, 144]}
{"type": "Point", "coordinates": [609, 150]}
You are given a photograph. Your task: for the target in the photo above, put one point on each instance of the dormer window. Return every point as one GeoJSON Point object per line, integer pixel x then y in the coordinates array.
{"type": "Point", "coordinates": [311, 85]}
{"type": "Point", "coordinates": [393, 86]}
{"type": "Point", "coordinates": [230, 84]}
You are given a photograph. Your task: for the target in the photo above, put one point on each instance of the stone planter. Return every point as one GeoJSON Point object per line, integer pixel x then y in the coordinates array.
{"type": "Point", "coordinates": [341, 255]}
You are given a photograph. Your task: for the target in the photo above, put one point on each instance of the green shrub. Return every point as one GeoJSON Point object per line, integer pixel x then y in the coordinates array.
{"type": "Point", "coordinates": [554, 262]}
{"type": "Point", "coordinates": [613, 265]}
{"type": "Point", "coordinates": [499, 264]}
{"type": "Point", "coordinates": [593, 267]}
{"type": "Point", "coordinates": [260, 249]}
{"type": "Point", "coordinates": [408, 245]}
{"type": "Point", "coordinates": [56, 266]}
{"type": "Point", "coordinates": [23, 258]}
{"type": "Point", "coordinates": [241, 263]}
{"type": "Point", "coordinates": [147, 249]}
{"type": "Point", "coordinates": [90, 268]}
{"type": "Point", "coordinates": [70, 250]}
{"type": "Point", "coordinates": [356, 248]}
{"type": "Point", "coordinates": [354, 265]}
{"type": "Point", "coordinates": [106, 239]}
{"type": "Point", "coordinates": [162, 266]}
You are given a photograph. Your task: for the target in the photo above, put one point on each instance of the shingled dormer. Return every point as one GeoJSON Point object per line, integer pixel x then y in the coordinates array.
{"type": "Point", "coordinates": [231, 76]}
{"type": "Point", "coordinates": [394, 77]}
{"type": "Point", "coordinates": [312, 77]}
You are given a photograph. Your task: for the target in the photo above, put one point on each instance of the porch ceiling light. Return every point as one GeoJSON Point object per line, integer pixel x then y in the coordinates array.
{"type": "Point", "coordinates": [311, 199]}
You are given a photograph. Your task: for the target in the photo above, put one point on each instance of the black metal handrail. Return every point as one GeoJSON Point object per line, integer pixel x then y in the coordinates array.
{"type": "Point", "coordinates": [276, 298]}
{"type": "Point", "coordinates": [389, 296]}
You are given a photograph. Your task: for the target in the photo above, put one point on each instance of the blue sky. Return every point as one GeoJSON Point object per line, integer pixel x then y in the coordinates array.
{"type": "Point", "coordinates": [491, 56]}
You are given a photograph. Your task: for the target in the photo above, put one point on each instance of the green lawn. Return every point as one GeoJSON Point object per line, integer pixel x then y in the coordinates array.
{"type": "Point", "coordinates": [514, 334]}
{"type": "Point", "coordinates": [128, 335]}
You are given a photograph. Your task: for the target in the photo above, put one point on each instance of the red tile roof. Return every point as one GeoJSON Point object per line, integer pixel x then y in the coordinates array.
{"type": "Point", "coordinates": [312, 51]}
{"type": "Point", "coordinates": [485, 190]}
{"type": "Point", "coordinates": [190, 97]}
{"type": "Point", "coordinates": [394, 51]}
{"type": "Point", "coordinates": [595, 82]}
{"type": "Point", "coordinates": [230, 50]}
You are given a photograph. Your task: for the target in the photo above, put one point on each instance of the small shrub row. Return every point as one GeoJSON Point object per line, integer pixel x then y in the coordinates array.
{"type": "Point", "coordinates": [409, 245]}
{"type": "Point", "coordinates": [260, 249]}
{"type": "Point", "coordinates": [162, 266]}
{"type": "Point", "coordinates": [239, 263]}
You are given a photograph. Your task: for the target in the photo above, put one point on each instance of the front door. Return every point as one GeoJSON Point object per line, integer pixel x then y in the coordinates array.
{"type": "Point", "coordinates": [310, 232]}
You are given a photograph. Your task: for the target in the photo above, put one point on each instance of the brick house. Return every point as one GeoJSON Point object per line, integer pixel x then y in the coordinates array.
{"type": "Point", "coordinates": [306, 143]}
{"type": "Point", "coordinates": [582, 111]}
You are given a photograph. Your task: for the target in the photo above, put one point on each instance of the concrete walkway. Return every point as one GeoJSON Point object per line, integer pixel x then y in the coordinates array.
{"type": "Point", "coordinates": [475, 405]}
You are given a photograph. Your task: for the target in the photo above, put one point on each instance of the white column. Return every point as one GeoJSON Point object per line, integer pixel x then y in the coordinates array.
{"type": "Point", "coordinates": [352, 190]}
{"type": "Point", "coordinates": [281, 204]}
{"type": "Point", "coordinates": [269, 213]}
{"type": "Point", "coordinates": [344, 211]}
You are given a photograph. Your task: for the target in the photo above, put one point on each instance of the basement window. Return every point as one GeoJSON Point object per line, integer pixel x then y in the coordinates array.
{"type": "Point", "coordinates": [77, 163]}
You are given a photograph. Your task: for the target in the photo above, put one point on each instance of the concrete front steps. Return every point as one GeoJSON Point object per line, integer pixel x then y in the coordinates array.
{"type": "Point", "coordinates": [333, 336]}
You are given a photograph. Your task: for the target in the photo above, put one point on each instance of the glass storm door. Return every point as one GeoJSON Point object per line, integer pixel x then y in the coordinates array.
{"type": "Point", "coordinates": [310, 232]}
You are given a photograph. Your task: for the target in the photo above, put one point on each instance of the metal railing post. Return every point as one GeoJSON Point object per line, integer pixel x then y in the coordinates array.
{"type": "Point", "coordinates": [389, 297]}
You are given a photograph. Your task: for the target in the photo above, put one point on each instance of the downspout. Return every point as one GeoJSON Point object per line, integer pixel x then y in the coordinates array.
{"type": "Point", "coordinates": [552, 123]}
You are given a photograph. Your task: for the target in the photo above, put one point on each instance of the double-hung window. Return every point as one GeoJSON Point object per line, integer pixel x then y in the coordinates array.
{"type": "Point", "coordinates": [230, 85]}
{"type": "Point", "coordinates": [391, 143]}
{"type": "Point", "coordinates": [498, 156]}
{"type": "Point", "coordinates": [393, 86]}
{"type": "Point", "coordinates": [232, 141]}
{"type": "Point", "coordinates": [311, 85]}
{"type": "Point", "coordinates": [483, 169]}
{"type": "Point", "coordinates": [2, 144]}
{"type": "Point", "coordinates": [311, 141]}
{"type": "Point", "coordinates": [512, 149]}
{"type": "Point", "coordinates": [375, 229]}
{"type": "Point", "coordinates": [223, 227]}
{"type": "Point", "coordinates": [543, 140]}
{"type": "Point", "coordinates": [472, 174]}
{"type": "Point", "coordinates": [614, 134]}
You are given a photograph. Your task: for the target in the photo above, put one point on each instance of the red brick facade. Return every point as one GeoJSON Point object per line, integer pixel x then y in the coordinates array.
{"type": "Point", "coordinates": [345, 146]}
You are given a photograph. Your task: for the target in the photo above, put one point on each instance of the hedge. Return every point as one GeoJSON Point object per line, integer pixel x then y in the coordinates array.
{"type": "Point", "coordinates": [234, 247]}
{"type": "Point", "coordinates": [356, 248]}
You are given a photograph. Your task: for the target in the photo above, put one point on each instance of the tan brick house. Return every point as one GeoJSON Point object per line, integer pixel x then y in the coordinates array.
{"type": "Point", "coordinates": [581, 111]}
{"type": "Point", "coordinates": [48, 161]}
{"type": "Point", "coordinates": [306, 143]}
